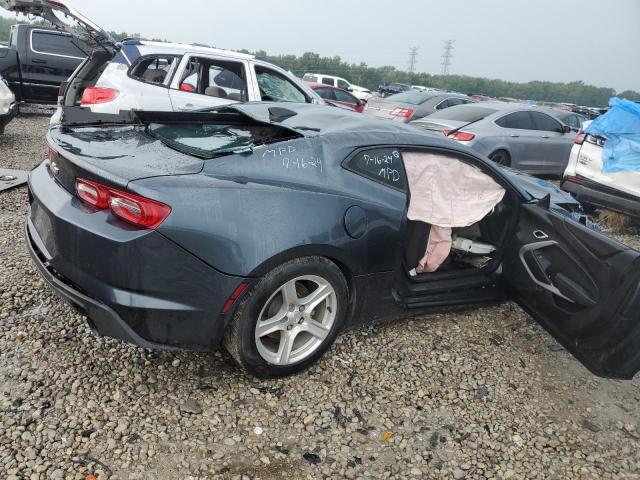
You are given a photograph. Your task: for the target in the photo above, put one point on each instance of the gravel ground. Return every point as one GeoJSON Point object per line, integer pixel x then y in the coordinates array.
{"type": "Point", "coordinates": [477, 394]}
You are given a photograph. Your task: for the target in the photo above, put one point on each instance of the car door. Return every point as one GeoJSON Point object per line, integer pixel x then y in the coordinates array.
{"type": "Point", "coordinates": [347, 100]}
{"type": "Point", "coordinates": [51, 58]}
{"type": "Point", "coordinates": [326, 93]}
{"type": "Point", "coordinates": [523, 139]}
{"type": "Point", "coordinates": [581, 286]}
{"type": "Point", "coordinates": [204, 81]}
{"type": "Point", "coordinates": [555, 145]}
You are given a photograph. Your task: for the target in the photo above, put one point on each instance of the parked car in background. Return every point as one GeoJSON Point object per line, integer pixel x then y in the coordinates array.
{"type": "Point", "coordinates": [589, 182]}
{"type": "Point", "coordinates": [8, 105]}
{"type": "Point", "coordinates": [423, 88]}
{"type": "Point", "coordinates": [38, 59]}
{"type": "Point", "coordinates": [339, 97]}
{"type": "Point", "coordinates": [523, 137]}
{"type": "Point", "coordinates": [573, 120]}
{"type": "Point", "coordinates": [359, 92]}
{"type": "Point", "coordinates": [392, 88]}
{"type": "Point", "coordinates": [413, 104]}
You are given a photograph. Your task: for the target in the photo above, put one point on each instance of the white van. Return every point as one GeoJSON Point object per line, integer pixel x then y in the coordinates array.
{"type": "Point", "coordinates": [359, 92]}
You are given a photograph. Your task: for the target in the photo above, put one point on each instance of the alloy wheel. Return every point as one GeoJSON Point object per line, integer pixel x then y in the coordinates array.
{"type": "Point", "coordinates": [296, 320]}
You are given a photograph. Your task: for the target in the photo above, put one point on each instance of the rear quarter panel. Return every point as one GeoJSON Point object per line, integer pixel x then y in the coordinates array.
{"type": "Point", "coordinates": [248, 213]}
{"type": "Point", "coordinates": [133, 94]}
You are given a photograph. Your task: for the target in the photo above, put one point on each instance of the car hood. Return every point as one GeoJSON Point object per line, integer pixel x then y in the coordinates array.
{"type": "Point", "coordinates": [358, 88]}
{"type": "Point", "coordinates": [539, 189]}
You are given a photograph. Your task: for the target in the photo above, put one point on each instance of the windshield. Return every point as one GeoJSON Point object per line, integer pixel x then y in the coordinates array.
{"type": "Point", "coordinates": [211, 140]}
{"type": "Point", "coordinates": [463, 113]}
{"type": "Point", "coordinates": [412, 97]}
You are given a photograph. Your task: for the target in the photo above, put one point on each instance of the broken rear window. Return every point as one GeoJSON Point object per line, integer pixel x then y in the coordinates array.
{"type": "Point", "coordinates": [211, 140]}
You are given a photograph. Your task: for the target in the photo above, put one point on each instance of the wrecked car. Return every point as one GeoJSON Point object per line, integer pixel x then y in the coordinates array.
{"type": "Point", "coordinates": [144, 75]}
{"type": "Point", "coordinates": [604, 165]}
{"type": "Point", "coordinates": [270, 230]}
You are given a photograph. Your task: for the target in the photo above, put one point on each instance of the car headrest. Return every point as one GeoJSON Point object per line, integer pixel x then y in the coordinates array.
{"type": "Point", "coordinates": [155, 76]}
{"type": "Point", "coordinates": [215, 92]}
{"type": "Point", "coordinates": [235, 96]}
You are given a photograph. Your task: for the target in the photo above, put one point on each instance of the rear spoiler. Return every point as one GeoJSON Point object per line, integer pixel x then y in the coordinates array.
{"type": "Point", "coordinates": [83, 117]}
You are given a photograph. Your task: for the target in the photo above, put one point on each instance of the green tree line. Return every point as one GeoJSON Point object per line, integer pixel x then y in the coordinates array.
{"type": "Point", "coordinates": [371, 77]}
{"type": "Point", "coordinates": [360, 74]}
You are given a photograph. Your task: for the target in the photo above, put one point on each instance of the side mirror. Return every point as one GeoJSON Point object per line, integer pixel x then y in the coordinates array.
{"type": "Point", "coordinates": [362, 103]}
{"type": "Point", "coordinates": [349, 89]}
{"type": "Point", "coordinates": [566, 129]}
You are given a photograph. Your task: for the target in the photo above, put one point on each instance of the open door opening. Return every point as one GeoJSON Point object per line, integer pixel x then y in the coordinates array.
{"type": "Point", "coordinates": [458, 220]}
{"type": "Point", "coordinates": [457, 217]}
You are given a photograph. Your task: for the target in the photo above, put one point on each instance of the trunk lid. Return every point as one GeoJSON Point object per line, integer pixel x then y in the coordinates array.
{"type": "Point", "coordinates": [91, 33]}
{"type": "Point", "coordinates": [382, 107]}
{"type": "Point", "coordinates": [114, 155]}
{"type": "Point", "coordinates": [438, 125]}
{"type": "Point", "coordinates": [118, 149]}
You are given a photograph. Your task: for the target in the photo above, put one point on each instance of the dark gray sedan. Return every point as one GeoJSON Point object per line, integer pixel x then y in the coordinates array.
{"type": "Point", "coordinates": [523, 137]}
{"type": "Point", "coordinates": [413, 104]}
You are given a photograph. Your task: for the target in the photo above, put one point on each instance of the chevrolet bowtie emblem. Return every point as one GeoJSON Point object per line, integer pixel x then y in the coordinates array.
{"type": "Point", "coordinates": [54, 168]}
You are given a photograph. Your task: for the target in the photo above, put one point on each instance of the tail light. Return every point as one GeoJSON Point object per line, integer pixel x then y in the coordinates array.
{"type": "Point", "coordinates": [140, 211]}
{"type": "Point", "coordinates": [402, 112]}
{"type": "Point", "coordinates": [62, 88]}
{"type": "Point", "coordinates": [53, 153]}
{"type": "Point", "coordinates": [459, 136]}
{"type": "Point", "coordinates": [580, 137]}
{"type": "Point", "coordinates": [95, 95]}
{"type": "Point", "coordinates": [577, 181]}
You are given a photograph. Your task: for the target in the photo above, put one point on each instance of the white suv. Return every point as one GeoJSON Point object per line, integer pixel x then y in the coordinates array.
{"type": "Point", "coordinates": [360, 93]}
{"type": "Point", "coordinates": [175, 77]}
{"type": "Point", "coordinates": [585, 180]}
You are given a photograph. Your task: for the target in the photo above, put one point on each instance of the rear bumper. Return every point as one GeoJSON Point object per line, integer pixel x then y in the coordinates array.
{"type": "Point", "coordinates": [103, 320]}
{"type": "Point", "coordinates": [133, 285]}
{"type": "Point", "coordinates": [596, 195]}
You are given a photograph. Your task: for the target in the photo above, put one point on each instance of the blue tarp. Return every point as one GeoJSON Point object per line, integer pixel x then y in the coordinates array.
{"type": "Point", "coordinates": [621, 127]}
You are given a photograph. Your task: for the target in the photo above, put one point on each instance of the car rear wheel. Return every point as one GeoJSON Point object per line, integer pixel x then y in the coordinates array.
{"type": "Point", "coordinates": [290, 318]}
{"type": "Point", "coordinates": [501, 157]}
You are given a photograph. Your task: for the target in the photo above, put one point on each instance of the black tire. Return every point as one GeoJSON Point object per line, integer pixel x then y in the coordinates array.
{"type": "Point", "coordinates": [240, 339]}
{"type": "Point", "coordinates": [501, 157]}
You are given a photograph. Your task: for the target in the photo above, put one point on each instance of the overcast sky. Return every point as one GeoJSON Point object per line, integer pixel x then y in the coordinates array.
{"type": "Point", "coordinates": [595, 41]}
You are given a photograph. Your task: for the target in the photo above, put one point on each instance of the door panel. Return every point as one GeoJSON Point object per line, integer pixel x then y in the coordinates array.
{"type": "Point", "coordinates": [525, 149]}
{"type": "Point", "coordinates": [51, 59]}
{"type": "Point", "coordinates": [581, 286]}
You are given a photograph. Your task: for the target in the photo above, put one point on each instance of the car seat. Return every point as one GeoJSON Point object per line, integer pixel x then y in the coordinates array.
{"type": "Point", "coordinates": [155, 76]}
{"type": "Point", "coordinates": [215, 92]}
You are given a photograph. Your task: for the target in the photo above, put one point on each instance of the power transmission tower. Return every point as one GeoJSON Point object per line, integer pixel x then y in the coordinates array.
{"type": "Point", "coordinates": [413, 54]}
{"type": "Point", "coordinates": [447, 56]}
